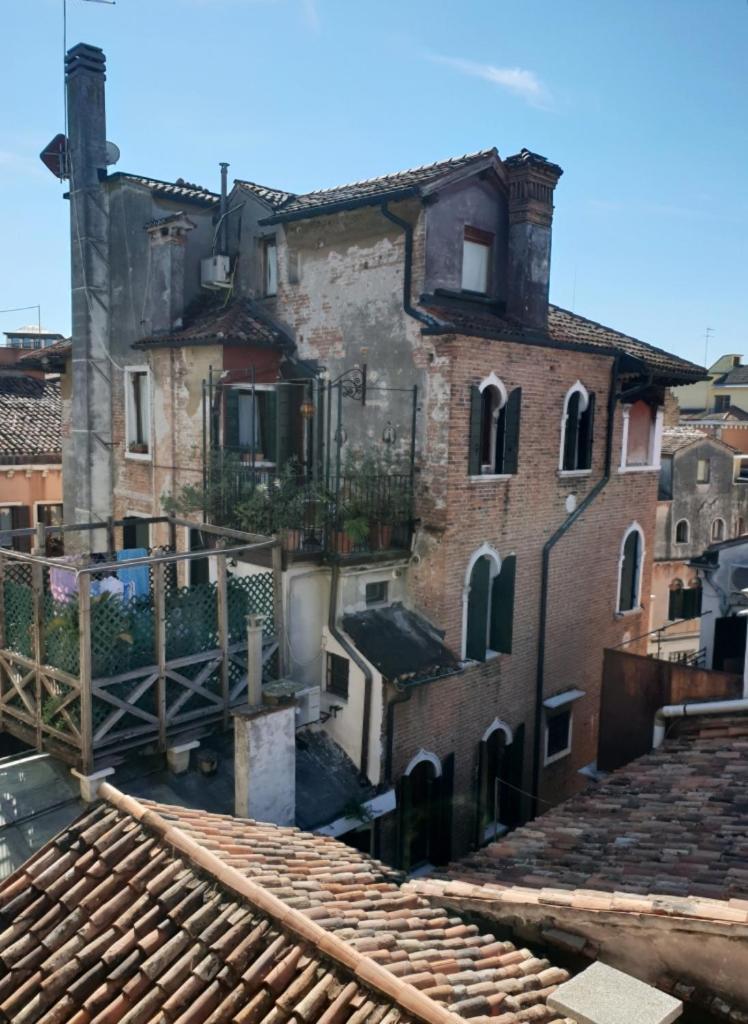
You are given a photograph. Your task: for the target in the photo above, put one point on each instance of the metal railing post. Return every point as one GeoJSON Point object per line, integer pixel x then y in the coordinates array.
{"type": "Point", "coordinates": [278, 619]}
{"type": "Point", "coordinates": [84, 672]}
{"type": "Point", "coordinates": [222, 611]}
{"type": "Point", "coordinates": [159, 609]}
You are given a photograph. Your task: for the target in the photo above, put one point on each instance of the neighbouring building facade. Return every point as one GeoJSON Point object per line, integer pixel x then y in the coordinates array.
{"type": "Point", "coordinates": [719, 403]}
{"type": "Point", "coordinates": [702, 500]}
{"type": "Point", "coordinates": [464, 476]}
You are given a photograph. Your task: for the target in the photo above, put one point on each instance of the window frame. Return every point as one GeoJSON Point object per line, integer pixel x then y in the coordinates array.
{"type": "Point", "coordinates": [722, 531]}
{"type": "Point", "coordinates": [269, 266]}
{"type": "Point", "coordinates": [687, 539]}
{"type": "Point", "coordinates": [655, 441]}
{"type": "Point", "coordinates": [554, 715]}
{"type": "Point", "coordinates": [701, 477]}
{"type": "Point", "coordinates": [586, 407]}
{"type": "Point", "coordinates": [637, 606]}
{"type": "Point", "coordinates": [509, 566]}
{"type": "Point", "coordinates": [331, 659]}
{"type": "Point", "coordinates": [504, 428]}
{"type": "Point", "coordinates": [484, 239]}
{"type": "Point", "coordinates": [377, 601]}
{"type": "Point", "coordinates": [269, 459]}
{"type": "Point", "coordinates": [132, 415]}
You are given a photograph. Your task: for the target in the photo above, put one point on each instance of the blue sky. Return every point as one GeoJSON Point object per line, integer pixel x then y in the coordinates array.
{"type": "Point", "coordinates": [642, 102]}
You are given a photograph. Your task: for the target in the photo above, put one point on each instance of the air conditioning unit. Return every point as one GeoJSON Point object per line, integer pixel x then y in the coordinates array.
{"type": "Point", "coordinates": [215, 272]}
{"type": "Point", "coordinates": [307, 706]}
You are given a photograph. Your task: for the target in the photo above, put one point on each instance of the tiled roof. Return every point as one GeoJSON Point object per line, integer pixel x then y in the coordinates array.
{"type": "Point", "coordinates": [566, 326]}
{"type": "Point", "coordinates": [287, 204]}
{"type": "Point", "coordinates": [241, 321]}
{"type": "Point", "coordinates": [179, 189]}
{"type": "Point", "coordinates": [402, 645]}
{"type": "Point", "coordinates": [142, 913]}
{"type": "Point", "coordinates": [675, 438]}
{"type": "Point", "coordinates": [54, 354]}
{"type": "Point", "coordinates": [671, 823]}
{"type": "Point", "coordinates": [737, 376]}
{"type": "Point", "coordinates": [30, 416]}
{"type": "Point", "coordinates": [730, 415]}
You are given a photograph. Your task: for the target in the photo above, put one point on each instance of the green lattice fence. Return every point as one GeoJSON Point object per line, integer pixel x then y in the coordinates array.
{"type": "Point", "coordinates": [18, 609]}
{"type": "Point", "coordinates": [60, 637]}
{"type": "Point", "coordinates": [191, 620]}
{"type": "Point", "coordinates": [122, 635]}
{"type": "Point", "coordinates": [250, 595]}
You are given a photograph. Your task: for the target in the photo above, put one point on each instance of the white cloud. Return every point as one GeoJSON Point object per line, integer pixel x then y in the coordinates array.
{"type": "Point", "coordinates": [519, 81]}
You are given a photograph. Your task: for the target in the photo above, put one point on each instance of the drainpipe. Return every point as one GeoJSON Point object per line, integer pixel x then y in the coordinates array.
{"type": "Point", "coordinates": [545, 574]}
{"type": "Point", "coordinates": [407, 229]}
{"type": "Point", "coordinates": [224, 201]}
{"type": "Point", "coordinates": [356, 658]}
{"type": "Point", "coordinates": [712, 707]}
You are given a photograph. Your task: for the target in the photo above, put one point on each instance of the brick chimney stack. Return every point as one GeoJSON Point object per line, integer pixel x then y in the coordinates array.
{"type": "Point", "coordinates": [88, 480]}
{"type": "Point", "coordinates": [532, 180]}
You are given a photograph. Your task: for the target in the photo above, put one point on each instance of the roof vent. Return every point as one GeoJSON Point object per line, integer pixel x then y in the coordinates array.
{"type": "Point", "coordinates": [602, 995]}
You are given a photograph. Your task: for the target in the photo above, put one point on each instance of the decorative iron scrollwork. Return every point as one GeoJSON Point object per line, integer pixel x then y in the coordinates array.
{"type": "Point", "coordinates": [352, 383]}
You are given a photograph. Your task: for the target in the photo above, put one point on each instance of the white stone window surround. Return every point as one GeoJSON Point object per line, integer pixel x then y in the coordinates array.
{"type": "Point", "coordinates": [420, 757]}
{"type": "Point", "coordinates": [559, 704]}
{"type": "Point", "coordinates": [493, 381]}
{"type": "Point", "coordinates": [642, 551]}
{"type": "Point", "coordinates": [655, 442]}
{"type": "Point", "coordinates": [130, 372]}
{"type": "Point", "coordinates": [493, 555]}
{"type": "Point", "coordinates": [584, 401]}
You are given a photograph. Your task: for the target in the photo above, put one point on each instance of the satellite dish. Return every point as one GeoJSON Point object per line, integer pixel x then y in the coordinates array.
{"type": "Point", "coordinates": [112, 153]}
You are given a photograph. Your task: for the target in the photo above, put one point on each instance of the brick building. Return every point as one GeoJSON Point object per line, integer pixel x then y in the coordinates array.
{"type": "Point", "coordinates": [470, 505]}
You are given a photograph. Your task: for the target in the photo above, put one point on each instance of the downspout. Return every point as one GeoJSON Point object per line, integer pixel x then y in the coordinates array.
{"type": "Point", "coordinates": [712, 707]}
{"type": "Point", "coordinates": [545, 574]}
{"type": "Point", "coordinates": [407, 230]}
{"type": "Point", "coordinates": [356, 658]}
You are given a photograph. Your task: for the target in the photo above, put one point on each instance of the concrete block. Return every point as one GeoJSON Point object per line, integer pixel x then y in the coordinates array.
{"type": "Point", "coordinates": [89, 784]}
{"type": "Point", "coordinates": [178, 757]}
{"type": "Point", "coordinates": [602, 995]}
{"type": "Point", "coordinates": [265, 764]}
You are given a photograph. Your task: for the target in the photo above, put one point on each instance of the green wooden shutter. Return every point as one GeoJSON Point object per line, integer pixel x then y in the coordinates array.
{"type": "Point", "coordinates": [502, 606]}
{"type": "Point", "coordinates": [511, 798]}
{"type": "Point", "coordinates": [404, 820]}
{"type": "Point", "coordinates": [231, 418]}
{"type": "Point", "coordinates": [570, 433]}
{"type": "Point", "coordinates": [586, 434]}
{"type": "Point", "coordinates": [474, 442]}
{"type": "Point", "coordinates": [440, 847]}
{"type": "Point", "coordinates": [480, 803]}
{"type": "Point", "coordinates": [283, 425]}
{"type": "Point", "coordinates": [511, 431]}
{"type": "Point", "coordinates": [477, 612]}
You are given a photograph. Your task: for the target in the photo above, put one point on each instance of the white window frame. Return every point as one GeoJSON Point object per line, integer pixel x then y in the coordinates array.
{"type": "Point", "coordinates": [130, 371]}
{"type": "Point", "coordinates": [655, 442]}
{"type": "Point", "coordinates": [424, 755]}
{"type": "Point", "coordinates": [269, 267]}
{"type": "Point", "coordinates": [639, 571]}
{"type": "Point", "coordinates": [492, 381]}
{"type": "Point", "coordinates": [495, 829]}
{"type": "Point", "coordinates": [248, 389]}
{"type": "Point", "coordinates": [584, 402]}
{"type": "Point", "coordinates": [557, 705]}
{"type": "Point", "coordinates": [485, 248]}
{"type": "Point", "coordinates": [688, 532]}
{"type": "Point", "coordinates": [493, 555]}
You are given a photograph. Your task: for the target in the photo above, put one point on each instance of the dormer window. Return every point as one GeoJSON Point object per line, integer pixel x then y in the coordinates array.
{"type": "Point", "coordinates": [476, 260]}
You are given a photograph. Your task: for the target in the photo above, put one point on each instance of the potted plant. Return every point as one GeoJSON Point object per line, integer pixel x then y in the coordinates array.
{"type": "Point", "coordinates": [138, 448]}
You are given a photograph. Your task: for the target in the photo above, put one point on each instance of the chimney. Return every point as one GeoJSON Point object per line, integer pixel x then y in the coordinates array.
{"type": "Point", "coordinates": [88, 488]}
{"type": "Point", "coordinates": [165, 299]}
{"type": "Point", "coordinates": [532, 180]}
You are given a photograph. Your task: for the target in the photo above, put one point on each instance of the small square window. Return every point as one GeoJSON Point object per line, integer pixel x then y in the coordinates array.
{"type": "Point", "coordinates": [337, 675]}
{"type": "Point", "coordinates": [702, 471]}
{"type": "Point", "coordinates": [721, 403]}
{"type": "Point", "coordinates": [557, 735]}
{"type": "Point", "coordinates": [376, 593]}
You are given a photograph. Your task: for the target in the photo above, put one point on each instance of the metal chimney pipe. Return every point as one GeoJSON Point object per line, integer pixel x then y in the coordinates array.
{"type": "Point", "coordinates": [254, 660]}
{"type": "Point", "coordinates": [224, 206]}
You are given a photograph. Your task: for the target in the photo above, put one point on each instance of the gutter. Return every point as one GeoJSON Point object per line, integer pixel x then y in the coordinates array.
{"type": "Point", "coordinates": [545, 574]}
{"type": "Point", "coordinates": [356, 658]}
{"type": "Point", "coordinates": [712, 707]}
{"type": "Point", "coordinates": [339, 206]}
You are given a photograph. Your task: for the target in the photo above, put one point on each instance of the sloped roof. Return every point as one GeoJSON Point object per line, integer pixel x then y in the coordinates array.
{"type": "Point", "coordinates": [730, 415]}
{"type": "Point", "coordinates": [178, 190]}
{"type": "Point", "coordinates": [138, 913]}
{"type": "Point", "coordinates": [566, 326]}
{"type": "Point", "coordinates": [30, 416]}
{"type": "Point", "coordinates": [239, 322]}
{"type": "Point", "coordinates": [288, 205]}
{"type": "Point", "coordinates": [675, 438]}
{"type": "Point", "coordinates": [53, 355]}
{"type": "Point", "coordinates": [737, 376]}
{"type": "Point", "coordinates": [402, 645]}
{"type": "Point", "coordinates": [671, 823]}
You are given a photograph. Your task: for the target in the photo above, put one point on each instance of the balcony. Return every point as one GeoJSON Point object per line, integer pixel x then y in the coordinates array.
{"type": "Point", "coordinates": [108, 650]}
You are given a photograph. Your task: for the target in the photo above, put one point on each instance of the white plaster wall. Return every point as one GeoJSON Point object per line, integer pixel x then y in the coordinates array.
{"type": "Point", "coordinates": [352, 593]}
{"type": "Point", "coordinates": [346, 727]}
{"type": "Point", "coordinates": [265, 752]}
{"type": "Point", "coordinates": [306, 602]}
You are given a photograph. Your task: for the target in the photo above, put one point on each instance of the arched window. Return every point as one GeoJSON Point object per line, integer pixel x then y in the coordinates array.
{"type": "Point", "coordinates": [739, 526]}
{"type": "Point", "coordinates": [425, 801]}
{"type": "Point", "coordinates": [630, 569]}
{"type": "Point", "coordinates": [718, 530]}
{"type": "Point", "coordinates": [494, 428]}
{"type": "Point", "coordinates": [500, 767]}
{"type": "Point", "coordinates": [488, 604]}
{"type": "Point", "coordinates": [681, 531]}
{"type": "Point", "coordinates": [577, 428]}
{"type": "Point", "coordinates": [640, 434]}
{"type": "Point", "coordinates": [692, 599]}
{"type": "Point", "coordinates": [675, 600]}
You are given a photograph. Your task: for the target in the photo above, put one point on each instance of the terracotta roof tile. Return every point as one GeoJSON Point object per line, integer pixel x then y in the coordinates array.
{"type": "Point", "coordinates": [240, 322]}
{"type": "Point", "coordinates": [176, 925]}
{"type": "Point", "coordinates": [30, 418]}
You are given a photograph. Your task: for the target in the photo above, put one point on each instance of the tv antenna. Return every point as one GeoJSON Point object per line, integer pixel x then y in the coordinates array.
{"type": "Point", "coordinates": [707, 338]}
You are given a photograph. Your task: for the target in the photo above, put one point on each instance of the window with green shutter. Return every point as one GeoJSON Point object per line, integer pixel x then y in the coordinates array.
{"type": "Point", "coordinates": [493, 444]}
{"type": "Point", "coordinates": [578, 429]}
{"type": "Point", "coordinates": [502, 607]}
{"type": "Point", "coordinates": [490, 606]}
